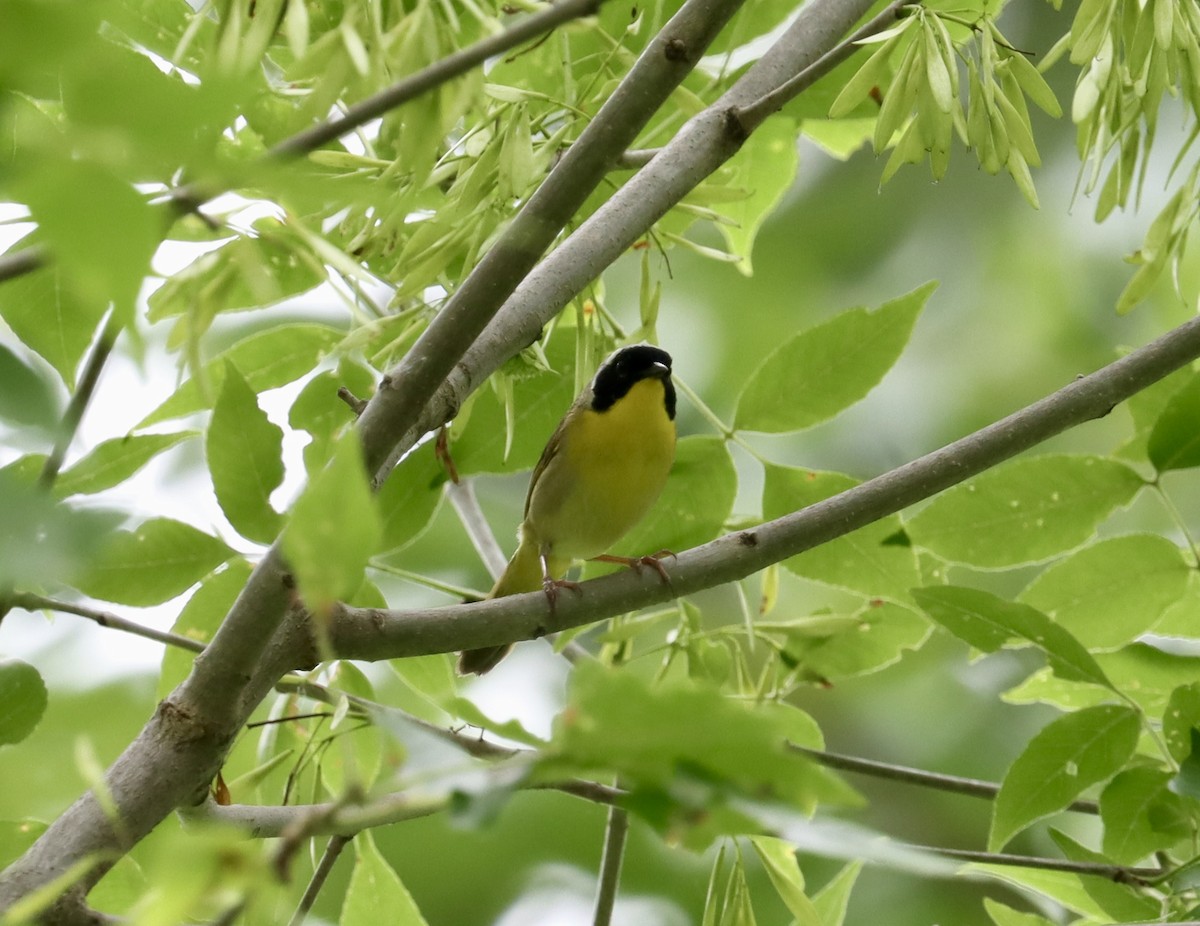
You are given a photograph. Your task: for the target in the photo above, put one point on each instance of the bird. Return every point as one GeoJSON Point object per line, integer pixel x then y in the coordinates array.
{"type": "Point", "coordinates": [601, 471]}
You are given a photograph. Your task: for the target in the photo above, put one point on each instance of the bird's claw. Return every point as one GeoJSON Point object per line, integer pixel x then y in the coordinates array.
{"type": "Point", "coordinates": [551, 587]}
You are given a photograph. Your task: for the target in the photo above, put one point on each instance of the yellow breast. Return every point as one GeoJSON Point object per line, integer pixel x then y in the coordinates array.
{"type": "Point", "coordinates": [610, 469]}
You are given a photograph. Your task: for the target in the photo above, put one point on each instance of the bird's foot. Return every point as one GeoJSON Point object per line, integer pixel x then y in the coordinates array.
{"type": "Point", "coordinates": [551, 586]}
{"type": "Point", "coordinates": [654, 561]}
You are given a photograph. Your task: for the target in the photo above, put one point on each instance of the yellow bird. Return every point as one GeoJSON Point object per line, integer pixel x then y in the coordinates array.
{"type": "Point", "coordinates": [601, 471]}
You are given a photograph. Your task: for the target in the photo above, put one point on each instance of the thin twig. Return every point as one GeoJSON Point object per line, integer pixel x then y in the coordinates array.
{"type": "Point", "coordinates": [368, 633]}
{"type": "Point", "coordinates": [753, 114]}
{"type": "Point", "coordinates": [189, 198]}
{"type": "Point", "coordinates": [342, 818]}
{"type": "Point", "coordinates": [635, 158]}
{"type": "Point", "coordinates": [28, 601]}
{"type": "Point", "coordinates": [438, 73]}
{"type": "Point", "coordinates": [616, 829]}
{"type": "Point", "coordinates": [466, 506]}
{"type": "Point", "coordinates": [1118, 873]}
{"type": "Point", "coordinates": [953, 783]}
{"type": "Point", "coordinates": [329, 857]}
{"type": "Point", "coordinates": [84, 391]}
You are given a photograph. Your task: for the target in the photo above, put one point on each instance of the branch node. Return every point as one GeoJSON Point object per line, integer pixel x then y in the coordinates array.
{"type": "Point", "coordinates": [676, 50]}
{"type": "Point", "coordinates": [356, 404]}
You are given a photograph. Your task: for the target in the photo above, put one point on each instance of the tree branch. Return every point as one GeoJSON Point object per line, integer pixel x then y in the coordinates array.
{"type": "Point", "coordinates": [190, 197]}
{"type": "Point", "coordinates": [1117, 873]}
{"type": "Point", "coordinates": [30, 602]}
{"type": "Point", "coordinates": [358, 633]}
{"type": "Point", "coordinates": [404, 393]}
{"type": "Point", "coordinates": [339, 819]}
{"type": "Point", "coordinates": [755, 113]}
{"type": "Point", "coordinates": [701, 146]}
{"type": "Point", "coordinates": [440, 72]}
{"type": "Point", "coordinates": [615, 831]}
{"type": "Point", "coordinates": [915, 776]}
{"type": "Point", "coordinates": [328, 859]}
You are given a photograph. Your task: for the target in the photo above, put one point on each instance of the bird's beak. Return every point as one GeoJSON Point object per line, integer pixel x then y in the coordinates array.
{"type": "Point", "coordinates": [661, 370]}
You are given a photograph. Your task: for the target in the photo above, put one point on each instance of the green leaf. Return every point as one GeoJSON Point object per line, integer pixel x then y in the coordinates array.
{"type": "Point", "coordinates": [267, 359]}
{"type": "Point", "coordinates": [650, 735]}
{"type": "Point", "coordinates": [779, 859]}
{"type": "Point", "coordinates": [26, 398]}
{"type": "Point", "coordinates": [1068, 756]}
{"type": "Point", "coordinates": [44, 542]}
{"type": "Point", "coordinates": [1003, 915]}
{"type": "Point", "coordinates": [1121, 903]}
{"type": "Point", "coordinates": [862, 561]}
{"type": "Point", "coordinates": [493, 442]}
{"type": "Point", "coordinates": [871, 639]}
{"type": "Point", "coordinates": [51, 318]}
{"type": "Point", "coordinates": [1141, 815]}
{"type": "Point", "coordinates": [1143, 673]}
{"type": "Point", "coordinates": [1174, 442]}
{"type": "Point", "coordinates": [1111, 592]}
{"type": "Point", "coordinates": [410, 497]}
{"type": "Point", "coordinates": [375, 888]}
{"type": "Point", "coordinates": [150, 565]}
{"type": "Point", "coordinates": [319, 411]}
{"type": "Point", "coordinates": [77, 205]}
{"type": "Point", "coordinates": [988, 623]}
{"type": "Point", "coordinates": [826, 369]}
{"type": "Point", "coordinates": [199, 619]}
{"type": "Point", "coordinates": [245, 458]}
{"type": "Point", "coordinates": [764, 168]}
{"type": "Point", "coordinates": [508, 729]}
{"type": "Point", "coordinates": [246, 272]}
{"type": "Point", "coordinates": [694, 504]}
{"type": "Point", "coordinates": [22, 700]}
{"type": "Point", "coordinates": [1181, 717]}
{"type": "Point", "coordinates": [333, 530]}
{"type": "Point", "coordinates": [114, 461]}
{"type": "Point", "coordinates": [1023, 511]}
{"type": "Point", "coordinates": [833, 898]}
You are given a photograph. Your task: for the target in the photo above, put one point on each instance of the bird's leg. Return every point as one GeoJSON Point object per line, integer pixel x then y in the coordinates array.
{"type": "Point", "coordinates": [551, 585]}
{"type": "Point", "coordinates": [654, 561]}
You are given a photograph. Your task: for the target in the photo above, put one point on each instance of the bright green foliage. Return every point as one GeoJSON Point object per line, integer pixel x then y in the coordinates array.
{"type": "Point", "coordinates": [268, 359]}
{"type": "Point", "coordinates": [779, 859]}
{"type": "Point", "coordinates": [113, 461]}
{"type": "Point", "coordinates": [283, 305]}
{"type": "Point", "coordinates": [155, 562]}
{"type": "Point", "coordinates": [826, 369]}
{"type": "Point", "coordinates": [1141, 815]}
{"type": "Point", "coordinates": [1069, 755]}
{"type": "Point", "coordinates": [243, 449]}
{"type": "Point", "coordinates": [334, 528]}
{"type": "Point", "coordinates": [1025, 511]}
{"type": "Point", "coordinates": [374, 888]}
{"type": "Point", "coordinates": [869, 561]}
{"type": "Point", "coordinates": [25, 397]}
{"type": "Point", "coordinates": [988, 622]}
{"type": "Point", "coordinates": [1003, 915]}
{"type": "Point", "coordinates": [1174, 442]}
{"type": "Point", "coordinates": [22, 700]}
{"type": "Point", "coordinates": [683, 729]}
{"type": "Point", "coordinates": [1112, 592]}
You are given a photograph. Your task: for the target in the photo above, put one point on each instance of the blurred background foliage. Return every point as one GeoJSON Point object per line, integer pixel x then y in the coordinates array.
{"type": "Point", "coordinates": [1026, 301]}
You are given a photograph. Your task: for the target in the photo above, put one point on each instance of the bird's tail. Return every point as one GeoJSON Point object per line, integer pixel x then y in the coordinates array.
{"type": "Point", "coordinates": [522, 574]}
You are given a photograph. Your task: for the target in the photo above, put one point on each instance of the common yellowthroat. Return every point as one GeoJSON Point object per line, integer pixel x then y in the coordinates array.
{"type": "Point", "coordinates": [601, 471]}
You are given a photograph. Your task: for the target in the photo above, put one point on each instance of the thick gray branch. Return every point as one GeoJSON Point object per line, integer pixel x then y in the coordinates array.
{"type": "Point", "coordinates": [704, 143]}
{"type": "Point", "coordinates": [405, 392]}
{"type": "Point", "coordinates": [181, 748]}
{"type": "Point", "coordinates": [376, 634]}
